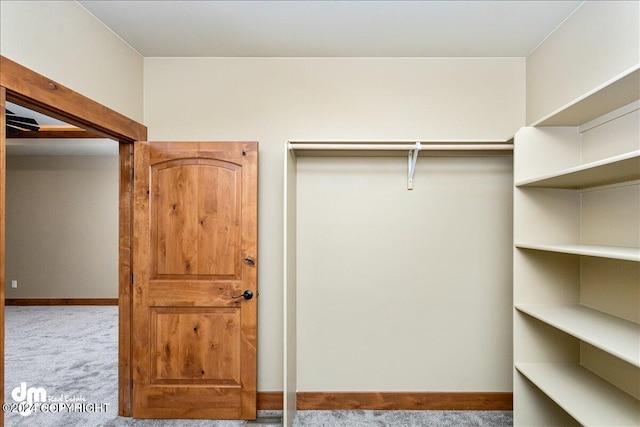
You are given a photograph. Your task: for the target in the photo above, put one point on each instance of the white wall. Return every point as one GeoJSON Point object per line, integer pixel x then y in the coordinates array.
{"type": "Point", "coordinates": [62, 41]}
{"type": "Point", "coordinates": [62, 226]}
{"type": "Point", "coordinates": [65, 43]}
{"type": "Point", "coordinates": [272, 100]}
{"type": "Point", "coordinates": [598, 42]}
{"type": "Point", "coordinates": [404, 290]}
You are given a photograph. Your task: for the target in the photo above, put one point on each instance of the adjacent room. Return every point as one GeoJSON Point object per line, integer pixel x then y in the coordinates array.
{"type": "Point", "coordinates": [322, 213]}
{"type": "Point", "coordinates": [62, 247]}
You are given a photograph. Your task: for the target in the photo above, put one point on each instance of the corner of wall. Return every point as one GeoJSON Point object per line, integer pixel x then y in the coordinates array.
{"type": "Point", "coordinates": [600, 41]}
{"type": "Point", "coordinates": [61, 40]}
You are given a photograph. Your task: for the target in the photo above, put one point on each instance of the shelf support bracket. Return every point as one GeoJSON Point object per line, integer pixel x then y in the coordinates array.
{"type": "Point", "coordinates": [413, 158]}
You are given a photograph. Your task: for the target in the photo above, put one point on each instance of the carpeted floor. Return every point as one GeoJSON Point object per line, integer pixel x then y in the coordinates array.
{"type": "Point", "coordinates": [71, 352]}
{"type": "Point", "coordinates": [404, 418]}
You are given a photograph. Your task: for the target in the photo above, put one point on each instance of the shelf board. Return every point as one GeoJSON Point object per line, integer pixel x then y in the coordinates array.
{"type": "Point", "coordinates": [621, 168]}
{"type": "Point", "coordinates": [616, 336]}
{"type": "Point", "coordinates": [588, 398]}
{"type": "Point", "coordinates": [619, 91]}
{"type": "Point", "coordinates": [615, 252]}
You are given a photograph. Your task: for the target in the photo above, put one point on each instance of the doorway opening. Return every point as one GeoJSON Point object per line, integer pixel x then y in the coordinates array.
{"type": "Point", "coordinates": [24, 87]}
{"type": "Point", "coordinates": [61, 262]}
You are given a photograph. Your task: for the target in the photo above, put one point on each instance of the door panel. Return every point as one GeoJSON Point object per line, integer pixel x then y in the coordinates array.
{"type": "Point", "coordinates": [183, 340]}
{"type": "Point", "coordinates": [195, 220]}
{"type": "Point", "coordinates": [194, 254]}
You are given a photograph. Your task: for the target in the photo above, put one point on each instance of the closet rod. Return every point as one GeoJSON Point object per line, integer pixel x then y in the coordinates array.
{"type": "Point", "coordinates": [412, 149]}
{"type": "Point", "coordinates": [402, 147]}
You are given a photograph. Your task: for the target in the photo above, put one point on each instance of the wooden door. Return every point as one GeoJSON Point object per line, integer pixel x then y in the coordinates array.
{"type": "Point", "coordinates": [194, 256]}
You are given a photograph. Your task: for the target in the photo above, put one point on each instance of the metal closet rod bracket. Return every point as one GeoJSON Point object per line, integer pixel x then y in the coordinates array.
{"type": "Point", "coordinates": [413, 158]}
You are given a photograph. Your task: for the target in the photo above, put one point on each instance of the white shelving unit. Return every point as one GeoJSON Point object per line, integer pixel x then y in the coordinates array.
{"type": "Point", "coordinates": [621, 168]}
{"type": "Point", "coordinates": [612, 334]}
{"type": "Point", "coordinates": [583, 395]}
{"type": "Point", "coordinates": [613, 252]}
{"type": "Point", "coordinates": [576, 263]}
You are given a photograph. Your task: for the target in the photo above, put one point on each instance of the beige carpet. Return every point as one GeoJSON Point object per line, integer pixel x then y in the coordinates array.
{"type": "Point", "coordinates": [71, 352]}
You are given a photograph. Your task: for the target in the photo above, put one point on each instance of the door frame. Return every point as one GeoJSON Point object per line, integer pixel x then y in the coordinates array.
{"type": "Point", "coordinates": [25, 87]}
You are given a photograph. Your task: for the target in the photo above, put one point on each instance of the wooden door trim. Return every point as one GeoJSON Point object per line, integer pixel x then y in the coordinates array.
{"type": "Point", "coordinates": [32, 90]}
{"type": "Point", "coordinates": [125, 280]}
{"type": "Point", "coordinates": [3, 170]}
{"type": "Point", "coordinates": [35, 91]}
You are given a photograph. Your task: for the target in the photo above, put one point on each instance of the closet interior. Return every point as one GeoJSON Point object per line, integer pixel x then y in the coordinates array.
{"type": "Point", "coordinates": [576, 255]}
{"type": "Point", "coordinates": [373, 251]}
